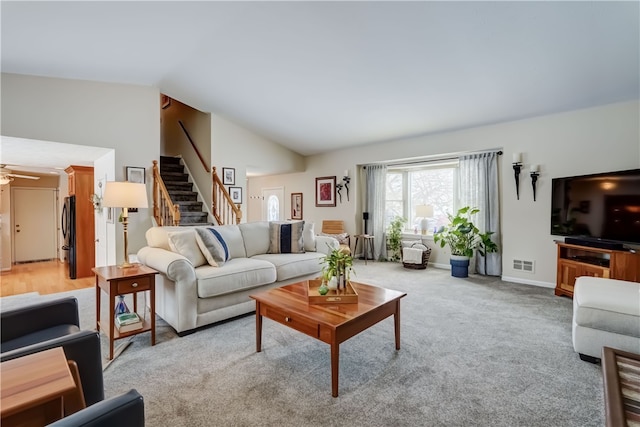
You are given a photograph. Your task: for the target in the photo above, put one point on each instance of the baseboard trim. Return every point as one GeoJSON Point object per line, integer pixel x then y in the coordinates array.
{"type": "Point", "coordinates": [528, 282]}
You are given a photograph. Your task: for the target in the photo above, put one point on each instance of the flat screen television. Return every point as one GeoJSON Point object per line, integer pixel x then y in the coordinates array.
{"type": "Point", "coordinates": [602, 207]}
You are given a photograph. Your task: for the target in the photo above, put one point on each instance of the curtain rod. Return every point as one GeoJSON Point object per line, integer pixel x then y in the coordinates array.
{"type": "Point", "coordinates": [453, 156]}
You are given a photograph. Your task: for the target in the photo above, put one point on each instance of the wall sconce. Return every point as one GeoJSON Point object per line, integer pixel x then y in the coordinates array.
{"type": "Point", "coordinates": [534, 178]}
{"type": "Point", "coordinates": [517, 166]}
{"type": "Point", "coordinates": [338, 190]}
{"type": "Point", "coordinates": [346, 181]}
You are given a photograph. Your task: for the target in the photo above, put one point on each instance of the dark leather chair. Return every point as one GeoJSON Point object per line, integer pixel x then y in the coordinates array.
{"type": "Point", "coordinates": [125, 410]}
{"type": "Point", "coordinates": [51, 324]}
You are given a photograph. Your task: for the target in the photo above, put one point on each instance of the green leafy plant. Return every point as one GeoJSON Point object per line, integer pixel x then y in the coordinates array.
{"type": "Point", "coordinates": [463, 237]}
{"type": "Point", "coordinates": [337, 262]}
{"type": "Point", "coordinates": [394, 238]}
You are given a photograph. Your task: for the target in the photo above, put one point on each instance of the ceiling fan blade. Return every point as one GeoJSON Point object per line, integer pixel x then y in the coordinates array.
{"type": "Point", "coordinates": [22, 176]}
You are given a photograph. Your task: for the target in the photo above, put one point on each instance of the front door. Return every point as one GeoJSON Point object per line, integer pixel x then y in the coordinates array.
{"type": "Point", "coordinates": [34, 224]}
{"type": "Point", "coordinates": [273, 204]}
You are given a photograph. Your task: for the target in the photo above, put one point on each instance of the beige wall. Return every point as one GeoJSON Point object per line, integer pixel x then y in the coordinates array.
{"type": "Point", "coordinates": [123, 117]}
{"type": "Point", "coordinates": [577, 142]}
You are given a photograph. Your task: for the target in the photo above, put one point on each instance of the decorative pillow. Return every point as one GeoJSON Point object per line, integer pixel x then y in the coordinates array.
{"type": "Point", "coordinates": [286, 237]}
{"type": "Point", "coordinates": [212, 246]}
{"type": "Point", "coordinates": [309, 237]}
{"type": "Point", "coordinates": [184, 243]}
{"type": "Point", "coordinates": [342, 238]}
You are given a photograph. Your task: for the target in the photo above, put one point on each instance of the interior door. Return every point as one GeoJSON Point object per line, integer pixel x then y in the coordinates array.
{"type": "Point", "coordinates": [34, 224]}
{"type": "Point", "coordinates": [273, 204]}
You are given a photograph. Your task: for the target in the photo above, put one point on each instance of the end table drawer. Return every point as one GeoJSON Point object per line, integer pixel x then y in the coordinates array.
{"type": "Point", "coordinates": [126, 286]}
{"type": "Point", "coordinates": [292, 321]}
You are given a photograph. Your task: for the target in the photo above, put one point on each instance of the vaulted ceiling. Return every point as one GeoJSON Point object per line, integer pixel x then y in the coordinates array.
{"type": "Point", "coordinates": [316, 76]}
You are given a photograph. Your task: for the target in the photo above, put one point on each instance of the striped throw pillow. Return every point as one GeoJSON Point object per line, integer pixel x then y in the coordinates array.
{"type": "Point", "coordinates": [286, 237]}
{"type": "Point", "coordinates": [213, 246]}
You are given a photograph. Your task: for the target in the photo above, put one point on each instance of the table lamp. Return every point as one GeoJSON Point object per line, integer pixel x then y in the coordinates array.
{"type": "Point", "coordinates": [125, 195]}
{"type": "Point", "coordinates": [425, 212]}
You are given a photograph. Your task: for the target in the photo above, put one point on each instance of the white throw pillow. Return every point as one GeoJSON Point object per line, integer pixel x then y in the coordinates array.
{"type": "Point", "coordinates": [309, 237]}
{"type": "Point", "coordinates": [184, 243]}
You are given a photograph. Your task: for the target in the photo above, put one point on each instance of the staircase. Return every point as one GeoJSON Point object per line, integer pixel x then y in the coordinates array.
{"type": "Point", "coordinates": [181, 191]}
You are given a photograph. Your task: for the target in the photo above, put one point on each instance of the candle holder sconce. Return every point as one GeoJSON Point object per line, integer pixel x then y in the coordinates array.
{"type": "Point", "coordinates": [534, 179]}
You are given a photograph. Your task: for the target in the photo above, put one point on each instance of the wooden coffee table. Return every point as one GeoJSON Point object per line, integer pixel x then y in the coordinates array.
{"type": "Point", "coordinates": [332, 324]}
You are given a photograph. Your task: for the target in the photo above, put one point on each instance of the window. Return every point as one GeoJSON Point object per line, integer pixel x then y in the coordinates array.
{"type": "Point", "coordinates": [273, 209]}
{"type": "Point", "coordinates": [426, 184]}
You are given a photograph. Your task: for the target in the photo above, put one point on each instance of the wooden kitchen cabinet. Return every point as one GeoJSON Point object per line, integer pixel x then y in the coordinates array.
{"type": "Point", "coordinates": [81, 186]}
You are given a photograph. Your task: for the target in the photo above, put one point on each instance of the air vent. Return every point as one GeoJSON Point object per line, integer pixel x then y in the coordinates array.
{"type": "Point", "coordinates": [523, 265]}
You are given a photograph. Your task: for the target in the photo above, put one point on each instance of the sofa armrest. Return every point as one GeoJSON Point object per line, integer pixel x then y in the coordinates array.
{"type": "Point", "coordinates": [325, 244]}
{"type": "Point", "coordinates": [175, 266]}
{"type": "Point", "coordinates": [82, 347]}
{"type": "Point", "coordinates": [26, 320]}
{"type": "Point", "coordinates": [125, 410]}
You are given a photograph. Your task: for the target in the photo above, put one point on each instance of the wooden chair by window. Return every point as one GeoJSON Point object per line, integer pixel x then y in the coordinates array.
{"type": "Point", "coordinates": [335, 229]}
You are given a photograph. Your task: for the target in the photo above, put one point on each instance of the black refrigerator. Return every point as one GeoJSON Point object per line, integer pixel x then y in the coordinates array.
{"type": "Point", "coordinates": [68, 225]}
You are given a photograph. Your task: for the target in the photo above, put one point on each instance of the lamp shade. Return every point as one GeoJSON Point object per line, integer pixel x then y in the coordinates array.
{"type": "Point", "coordinates": [424, 211]}
{"type": "Point", "coordinates": [125, 195]}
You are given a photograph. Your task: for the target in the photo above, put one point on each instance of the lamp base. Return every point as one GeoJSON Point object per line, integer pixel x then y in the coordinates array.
{"type": "Point", "coordinates": [126, 264]}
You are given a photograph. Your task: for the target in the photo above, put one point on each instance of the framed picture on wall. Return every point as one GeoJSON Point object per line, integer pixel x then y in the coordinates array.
{"type": "Point", "coordinates": [135, 174]}
{"type": "Point", "coordinates": [228, 176]}
{"type": "Point", "coordinates": [296, 205]}
{"type": "Point", "coordinates": [326, 191]}
{"type": "Point", "coordinates": [236, 194]}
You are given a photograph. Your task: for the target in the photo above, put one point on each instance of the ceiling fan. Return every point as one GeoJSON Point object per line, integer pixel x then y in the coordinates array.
{"type": "Point", "coordinates": [6, 175]}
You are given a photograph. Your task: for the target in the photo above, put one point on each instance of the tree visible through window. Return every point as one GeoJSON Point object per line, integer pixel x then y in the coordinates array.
{"type": "Point", "coordinates": [429, 184]}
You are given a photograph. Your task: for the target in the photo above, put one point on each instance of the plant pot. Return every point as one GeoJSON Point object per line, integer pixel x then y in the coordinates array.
{"type": "Point", "coordinates": [459, 266]}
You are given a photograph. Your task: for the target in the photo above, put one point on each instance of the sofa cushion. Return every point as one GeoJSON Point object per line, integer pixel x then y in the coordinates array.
{"type": "Point", "coordinates": [608, 305]}
{"type": "Point", "coordinates": [342, 238]}
{"type": "Point", "coordinates": [256, 237]}
{"type": "Point", "coordinates": [309, 237]}
{"type": "Point", "coordinates": [236, 275]}
{"type": "Point", "coordinates": [233, 238]}
{"type": "Point", "coordinates": [289, 266]}
{"type": "Point", "coordinates": [184, 243]}
{"type": "Point", "coordinates": [285, 237]}
{"type": "Point", "coordinates": [213, 246]}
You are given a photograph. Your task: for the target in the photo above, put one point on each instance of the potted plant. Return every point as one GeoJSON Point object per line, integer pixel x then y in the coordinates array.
{"type": "Point", "coordinates": [337, 267]}
{"type": "Point", "coordinates": [394, 238]}
{"type": "Point", "coordinates": [463, 238]}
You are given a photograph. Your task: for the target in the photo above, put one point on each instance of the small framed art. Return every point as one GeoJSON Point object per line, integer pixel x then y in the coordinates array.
{"type": "Point", "coordinates": [236, 194]}
{"type": "Point", "coordinates": [228, 176]}
{"type": "Point", "coordinates": [326, 191]}
{"type": "Point", "coordinates": [296, 205]}
{"type": "Point", "coordinates": [135, 174]}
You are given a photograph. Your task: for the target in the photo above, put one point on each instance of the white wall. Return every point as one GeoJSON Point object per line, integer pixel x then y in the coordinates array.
{"type": "Point", "coordinates": [585, 141]}
{"type": "Point", "coordinates": [123, 117]}
{"type": "Point", "coordinates": [233, 146]}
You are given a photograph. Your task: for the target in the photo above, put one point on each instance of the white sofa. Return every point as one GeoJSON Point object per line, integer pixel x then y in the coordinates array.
{"type": "Point", "coordinates": [191, 293]}
{"type": "Point", "coordinates": [606, 312]}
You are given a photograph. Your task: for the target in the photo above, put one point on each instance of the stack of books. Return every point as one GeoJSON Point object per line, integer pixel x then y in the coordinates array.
{"type": "Point", "coordinates": [127, 322]}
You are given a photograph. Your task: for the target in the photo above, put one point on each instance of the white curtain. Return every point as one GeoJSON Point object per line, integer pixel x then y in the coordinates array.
{"type": "Point", "coordinates": [376, 189]}
{"type": "Point", "coordinates": [478, 184]}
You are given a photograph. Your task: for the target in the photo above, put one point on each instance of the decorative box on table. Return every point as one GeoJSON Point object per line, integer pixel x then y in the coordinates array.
{"type": "Point", "coordinates": [334, 296]}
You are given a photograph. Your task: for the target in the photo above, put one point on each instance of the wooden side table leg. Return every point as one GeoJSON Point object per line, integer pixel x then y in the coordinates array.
{"type": "Point", "coordinates": [112, 306]}
{"type": "Point", "coordinates": [396, 322]}
{"type": "Point", "coordinates": [335, 367]}
{"type": "Point", "coordinates": [152, 295]}
{"type": "Point", "coordinates": [258, 328]}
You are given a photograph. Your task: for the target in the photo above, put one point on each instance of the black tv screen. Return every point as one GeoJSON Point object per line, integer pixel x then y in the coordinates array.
{"type": "Point", "coordinates": [603, 206]}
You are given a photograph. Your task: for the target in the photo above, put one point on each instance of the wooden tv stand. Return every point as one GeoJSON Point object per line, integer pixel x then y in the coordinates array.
{"type": "Point", "coordinates": [575, 261]}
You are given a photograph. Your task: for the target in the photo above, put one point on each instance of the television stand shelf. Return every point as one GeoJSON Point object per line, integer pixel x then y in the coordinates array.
{"type": "Point", "coordinates": [575, 261]}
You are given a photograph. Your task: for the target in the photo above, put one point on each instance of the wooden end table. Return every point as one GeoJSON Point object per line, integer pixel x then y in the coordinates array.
{"type": "Point", "coordinates": [120, 281]}
{"type": "Point", "coordinates": [332, 324]}
{"type": "Point", "coordinates": [33, 388]}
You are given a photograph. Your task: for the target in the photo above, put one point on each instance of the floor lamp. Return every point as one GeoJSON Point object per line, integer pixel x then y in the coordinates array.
{"type": "Point", "coordinates": [125, 195]}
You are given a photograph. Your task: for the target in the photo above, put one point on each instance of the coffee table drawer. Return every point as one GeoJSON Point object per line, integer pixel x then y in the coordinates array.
{"type": "Point", "coordinates": [299, 324]}
{"type": "Point", "coordinates": [127, 286]}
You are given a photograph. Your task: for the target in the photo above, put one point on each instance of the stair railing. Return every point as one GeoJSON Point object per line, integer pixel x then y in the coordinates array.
{"type": "Point", "coordinates": [165, 212]}
{"type": "Point", "coordinates": [224, 210]}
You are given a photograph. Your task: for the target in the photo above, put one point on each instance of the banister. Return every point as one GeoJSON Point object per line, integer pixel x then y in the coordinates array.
{"type": "Point", "coordinates": [164, 210]}
{"type": "Point", "coordinates": [193, 145]}
{"type": "Point", "coordinates": [224, 210]}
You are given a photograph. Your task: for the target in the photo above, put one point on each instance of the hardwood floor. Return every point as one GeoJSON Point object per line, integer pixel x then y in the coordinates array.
{"type": "Point", "coordinates": [46, 277]}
